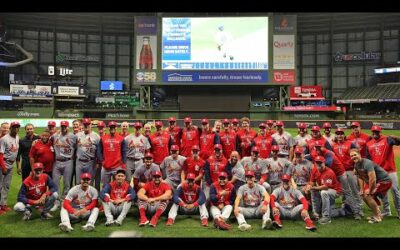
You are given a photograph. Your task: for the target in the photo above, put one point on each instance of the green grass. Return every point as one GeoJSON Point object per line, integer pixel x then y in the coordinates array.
{"type": "Point", "coordinates": [11, 224]}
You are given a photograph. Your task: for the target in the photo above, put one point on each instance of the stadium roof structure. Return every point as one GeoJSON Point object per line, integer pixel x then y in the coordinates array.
{"type": "Point", "coordinates": [379, 93]}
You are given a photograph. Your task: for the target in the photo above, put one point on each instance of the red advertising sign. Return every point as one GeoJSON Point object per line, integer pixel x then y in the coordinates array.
{"type": "Point", "coordinates": [284, 76]}
{"type": "Point", "coordinates": [306, 93]}
{"type": "Point", "coordinates": [311, 108]}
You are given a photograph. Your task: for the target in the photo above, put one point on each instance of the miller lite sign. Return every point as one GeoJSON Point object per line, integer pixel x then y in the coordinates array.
{"type": "Point", "coordinates": [61, 71]}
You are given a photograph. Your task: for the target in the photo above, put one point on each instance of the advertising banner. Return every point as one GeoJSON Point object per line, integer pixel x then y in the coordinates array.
{"type": "Point", "coordinates": [284, 76]}
{"type": "Point", "coordinates": [285, 24]}
{"type": "Point", "coordinates": [283, 51]}
{"type": "Point", "coordinates": [119, 115]}
{"type": "Point", "coordinates": [30, 90]}
{"type": "Point", "coordinates": [68, 90]}
{"type": "Point", "coordinates": [146, 25]}
{"type": "Point", "coordinates": [306, 93]}
{"type": "Point", "coordinates": [220, 77]}
{"type": "Point", "coordinates": [311, 108]}
{"type": "Point", "coordinates": [72, 114]}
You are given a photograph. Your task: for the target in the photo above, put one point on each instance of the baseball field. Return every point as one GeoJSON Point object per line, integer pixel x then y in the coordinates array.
{"type": "Point", "coordinates": [11, 224]}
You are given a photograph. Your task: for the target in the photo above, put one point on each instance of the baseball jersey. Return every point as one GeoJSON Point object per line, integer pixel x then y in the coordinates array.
{"type": "Point", "coordinates": [342, 151]}
{"type": "Point", "coordinates": [160, 144]}
{"type": "Point", "coordinates": [173, 167]}
{"type": "Point", "coordinates": [175, 134]}
{"type": "Point", "coordinates": [64, 145]}
{"type": "Point", "coordinates": [189, 138]}
{"type": "Point", "coordinates": [252, 197]}
{"type": "Point", "coordinates": [276, 168]}
{"type": "Point", "coordinates": [31, 189]}
{"type": "Point", "coordinates": [143, 174]}
{"type": "Point", "coordinates": [331, 161]}
{"type": "Point", "coordinates": [137, 146]}
{"type": "Point", "coordinates": [301, 172]}
{"type": "Point", "coordinates": [153, 191]}
{"type": "Point", "coordinates": [227, 199]}
{"type": "Point", "coordinates": [264, 144]}
{"type": "Point", "coordinates": [9, 148]}
{"type": "Point", "coordinates": [245, 139]}
{"type": "Point", "coordinates": [328, 178]}
{"type": "Point", "coordinates": [229, 142]}
{"type": "Point", "coordinates": [87, 145]}
{"type": "Point", "coordinates": [365, 166]}
{"type": "Point", "coordinates": [79, 198]}
{"type": "Point", "coordinates": [329, 138]}
{"type": "Point", "coordinates": [285, 141]}
{"type": "Point", "coordinates": [381, 152]}
{"type": "Point", "coordinates": [238, 171]}
{"type": "Point", "coordinates": [193, 195]}
{"type": "Point", "coordinates": [44, 153]}
{"type": "Point", "coordinates": [360, 142]}
{"type": "Point", "coordinates": [114, 191]}
{"type": "Point", "coordinates": [311, 143]}
{"type": "Point", "coordinates": [213, 167]}
{"type": "Point", "coordinates": [207, 141]}
{"type": "Point", "coordinates": [287, 198]}
{"type": "Point", "coordinates": [112, 151]}
{"type": "Point", "coordinates": [259, 166]}
{"type": "Point", "coordinates": [190, 165]}
{"type": "Point", "coordinates": [302, 141]}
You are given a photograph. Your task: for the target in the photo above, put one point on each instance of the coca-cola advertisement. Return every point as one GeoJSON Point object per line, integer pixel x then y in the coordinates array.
{"type": "Point", "coordinates": [306, 93]}
{"type": "Point", "coordinates": [146, 52]}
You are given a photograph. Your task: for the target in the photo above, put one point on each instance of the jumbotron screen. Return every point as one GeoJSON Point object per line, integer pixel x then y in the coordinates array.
{"type": "Point", "coordinates": [215, 43]}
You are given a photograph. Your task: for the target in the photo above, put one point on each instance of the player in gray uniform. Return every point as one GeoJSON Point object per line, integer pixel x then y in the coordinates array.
{"type": "Point", "coordinates": [171, 167]}
{"type": "Point", "coordinates": [143, 172]}
{"type": "Point", "coordinates": [9, 145]}
{"type": "Point", "coordinates": [80, 203]}
{"type": "Point", "coordinates": [285, 141]}
{"type": "Point", "coordinates": [301, 171]}
{"type": "Point", "coordinates": [252, 201]}
{"type": "Point", "coordinates": [87, 143]}
{"type": "Point", "coordinates": [301, 139]}
{"type": "Point", "coordinates": [64, 144]}
{"type": "Point", "coordinates": [276, 167]}
{"type": "Point", "coordinates": [285, 204]}
{"type": "Point", "coordinates": [258, 166]}
{"type": "Point", "coordinates": [237, 170]}
{"type": "Point", "coordinates": [138, 144]}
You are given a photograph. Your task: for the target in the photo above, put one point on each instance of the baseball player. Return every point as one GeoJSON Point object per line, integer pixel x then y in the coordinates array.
{"type": "Point", "coordinates": [4, 129]}
{"type": "Point", "coordinates": [80, 203]}
{"type": "Point", "coordinates": [380, 151]}
{"type": "Point", "coordinates": [174, 131]}
{"type": "Point", "coordinates": [97, 178]}
{"type": "Point", "coordinates": [325, 188]}
{"type": "Point", "coordinates": [171, 167]}
{"type": "Point", "coordinates": [215, 164]}
{"type": "Point", "coordinates": [270, 127]}
{"type": "Point", "coordinates": [111, 152]}
{"type": "Point", "coordinates": [25, 145]}
{"type": "Point", "coordinates": [76, 126]}
{"type": "Point", "coordinates": [284, 140]}
{"type": "Point", "coordinates": [88, 142]}
{"type": "Point", "coordinates": [37, 190]}
{"type": "Point", "coordinates": [237, 170]}
{"type": "Point", "coordinates": [258, 166]}
{"type": "Point", "coordinates": [153, 198]}
{"type": "Point", "coordinates": [222, 197]}
{"type": "Point", "coordinates": [207, 140]}
{"type": "Point", "coordinates": [275, 168]}
{"type": "Point", "coordinates": [101, 128]}
{"type": "Point", "coordinates": [358, 138]}
{"type": "Point", "coordinates": [147, 130]}
{"type": "Point", "coordinates": [264, 141]}
{"type": "Point", "coordinates": [194, 164]}
{"type": "Point", "coordinates": [228, 138]}
{"type": "Point", "coordinates": [188, 199]}
{"type": "Point", "coordinates": [124, 129]}
{"type": "Point", "coordinates": [42, 151]}
{"type": "Point", "coordinates": [224, 42]}
{"type": "Point", "coordinates": [64, 144]}
{"type": "Point", "coordinates": [373, 181]}
{"type": "Point", "coordinates": [51, 125]}
{"type": "Point", "coordinates": [217, 126]}
{"type": "Point", "coordinates": [137, 144]}
{"type": "Point", "coordinates": [252, 201]}
{"type": "Point", "coordinates": [246, 136]}
{"type": "Point", "coordinates": [160, 143]}
{"type": "Point", "coordinates": [9, 145]}
{"type": "Point", "coordinates": [235, 125]}
{"type": "Point", "coordinates": [143, 172]}
{"type": "Point", "coordinates": [327, 132]}
{"type": "Point", "coordinates": [117, 199]}
{"type": "Point", "coordinates": [190, 137]}
{"type": "Point", "coordinates": [302, 137]}
{"type": "Point", "coordinates": [285, 205]}
{"type": "Point", "coordinates": [316, 136]}
{"type": "Point", "coordinates": [301, 171]}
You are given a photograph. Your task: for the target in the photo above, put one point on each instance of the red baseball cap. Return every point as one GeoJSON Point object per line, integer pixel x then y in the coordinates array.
{"type": "Point", "coordinates": [302, 125]}
{"type": "Point", "coordinates": [340, 130]}
{"type": "Point", "coordinates": [86, 121]}
{"type": "Point", "coordinates": [226, 121]}
{"type": "Point", "coordinates": [174, 148]}
{"type": "Point", "coordinates": [262, 125]}
{"type": "Point", "coordinates": [315, 128]}
{"type": "Point", "coordinates": [101, 124]}
{"type": "Point", "coordinates": [270, 122]}
{"type": "Point", "coordinates": [223, 174]}
{"type": "Point", "coordinates": [190, 176]}
{"type": "Point", "coordinates": [64, 123]}
{"type": "Point", "coordinates": [299, 150]}
{"type": "Point", "coordinates": [112, 123]}
{"type": "Point", "coordinates": [376, 128]}
{"type": "Point", "coordinates": [195, 147]}
{"type": "Point", "coordinates": [158, 124]}
{"type": "Point", "coordinates": [148, 155]}
{"type": "Point", "coordinates": [187, 120]}
{"type": "Point", "coordinates": [218, 146]}
{"type": "Point", "coordinates": [326, 125]}
{"type": "Point", "coordinates": [355, 124]}
{"type": "Point", "coordinates": [285, 177]}
{"type": "Point", "coordinates": [249, 173]}
{"type": "Point", "coordinates": [86, 176]}
{"type": "Point", "coordinates": [204, 121]}
{"type": "Point", "coordinates": [37, 165]}
{"type": "Point", "coordinates": [172, 119]}
{"type": "Point", "coordinates": [319, 159]}
{"type": "Point", "coordinates": [275, 148]}
{"type": "Point", "coordinates": [255, 149]}
{"type": "Point", "coordinates": [279, 123]}
{"type": "Point", "coordinates": [15, 124]}
{"type": "Point", "coordinates": [235, 121]}
{"type": "Point", "coordinates": [51, 123]}
{"type": "Point", "coordinates": [157, 173]}
{"type": "Point", "coordinates": [137, 125]}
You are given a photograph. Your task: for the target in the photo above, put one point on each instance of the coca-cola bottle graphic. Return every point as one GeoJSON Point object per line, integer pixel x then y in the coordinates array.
{"type": "Point", "coordinates": [146, 56]}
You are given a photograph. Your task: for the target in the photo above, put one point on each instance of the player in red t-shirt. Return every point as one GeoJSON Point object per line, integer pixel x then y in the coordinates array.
{"type": "Point", "coordinates": [43, 152]}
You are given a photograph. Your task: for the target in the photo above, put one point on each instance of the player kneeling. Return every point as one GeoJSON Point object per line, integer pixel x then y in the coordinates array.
{"type": "Point", "coordinates": [38, 190]}
{"type": "Point", "coordinates": [284, 204]}
{"type": "Point", "coordinates": [222, 196]}
{"type": "Point", "coordinates": [188, 198]}
{"type": "Point", "coordinates": [116, 198]}
{"type": "Point", "coordinates": [255, 200]}
{"type": "Point", "coordinates": [80, 203]}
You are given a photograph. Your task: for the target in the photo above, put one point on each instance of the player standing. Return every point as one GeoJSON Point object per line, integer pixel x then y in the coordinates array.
{"type": "Point", "coordinates": [25, 145]}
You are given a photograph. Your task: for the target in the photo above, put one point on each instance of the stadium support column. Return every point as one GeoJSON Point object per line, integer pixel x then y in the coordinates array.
{"type": "Point", "coordinates": [283, 97]}
{"type": "Point", "coordinates": [145, 98]}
